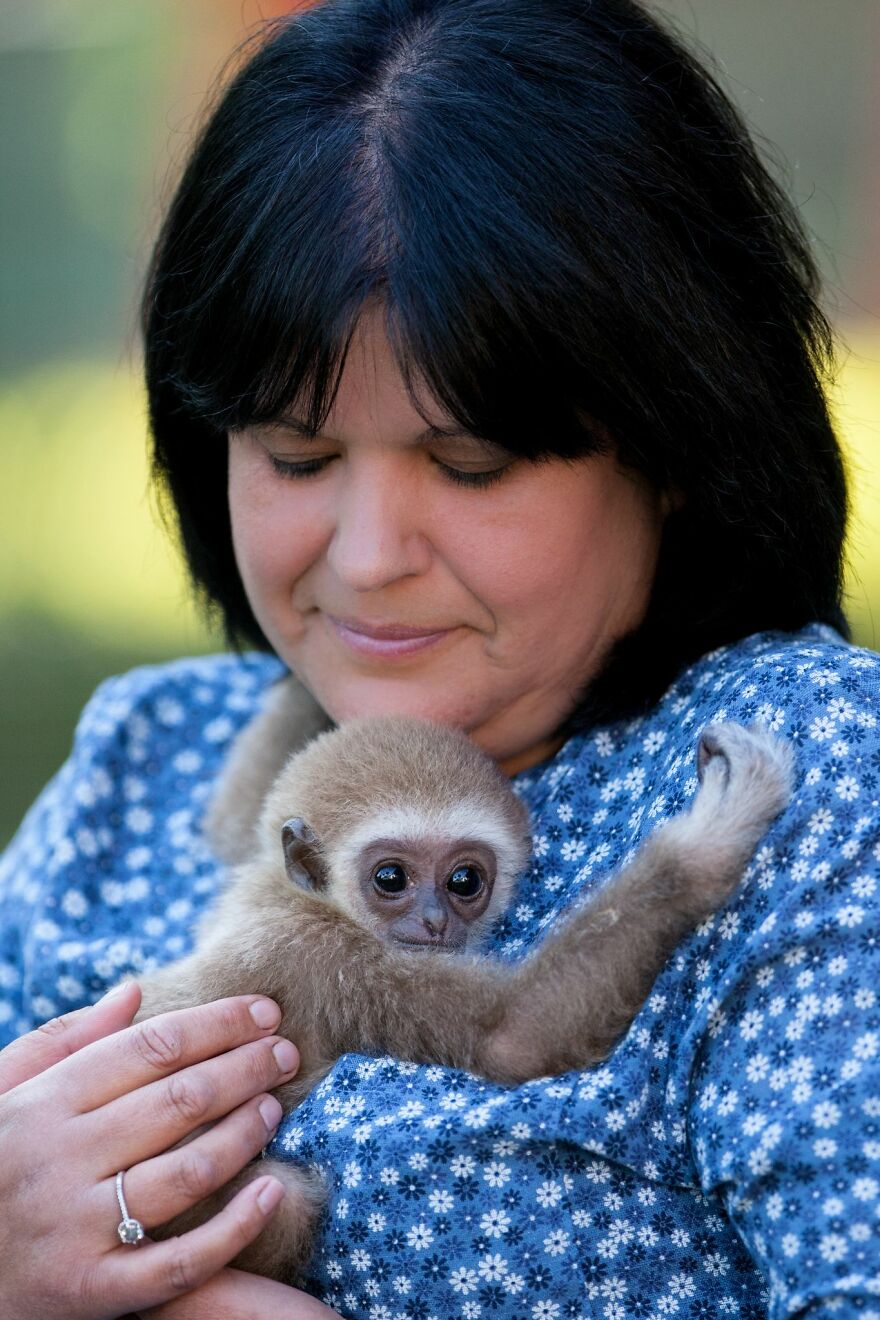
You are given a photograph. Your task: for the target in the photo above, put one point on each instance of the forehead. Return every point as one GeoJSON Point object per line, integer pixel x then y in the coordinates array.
{"type": "Point", "coordinates": [427, 852]}
{"type": "Point", "coordinates": [420, 828]}
{"type": "Point", "coordinates": [372, 401]}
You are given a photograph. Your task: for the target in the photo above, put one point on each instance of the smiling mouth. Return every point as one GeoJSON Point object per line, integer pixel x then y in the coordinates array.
{"type": "Point", "coordinates": [385, 640]}
{"type": "Point", "coordinates": [390, 632]}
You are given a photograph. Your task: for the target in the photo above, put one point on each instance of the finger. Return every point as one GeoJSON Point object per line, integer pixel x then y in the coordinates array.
{"type": "Point", "coordinates": [157, 1190]}
{"type": "Point", "coordinates": [161, 1045]}
{"type": "Point", "coordinates": [146, 1122]}
{"type": "Point", "coordinates": [236, 1295]}
{"type": "Point", "coordinates": [158, 1271]}
{"type": "Point", "coordinates": [64, 1036]}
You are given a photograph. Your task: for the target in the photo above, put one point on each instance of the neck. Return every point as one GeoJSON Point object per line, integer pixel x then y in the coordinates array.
{"type": "Point", "coordinates": [534, 755]}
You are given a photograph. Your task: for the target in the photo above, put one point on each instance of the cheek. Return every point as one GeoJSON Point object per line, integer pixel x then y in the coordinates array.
{"type": "Point", "coordinates": [585, 529]}
{"type": "Point", "coordinates": [276, 534]}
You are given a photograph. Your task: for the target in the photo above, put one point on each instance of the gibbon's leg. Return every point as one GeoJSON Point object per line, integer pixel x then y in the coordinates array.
{"type": "Point", "coordinates": [283, 1248]}
{"type": "Point", "coordinates": [572, 998]}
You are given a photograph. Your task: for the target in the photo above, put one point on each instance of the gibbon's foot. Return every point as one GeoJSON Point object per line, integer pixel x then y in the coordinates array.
{"type": "Point", "coordinates": [745, 780]}
{"type": "Point", "coordinates": [749, 763]}
{"type": "Point", "coordinates": [708, 749]}
{"type": "Point", "coordinates": [283, 1248]}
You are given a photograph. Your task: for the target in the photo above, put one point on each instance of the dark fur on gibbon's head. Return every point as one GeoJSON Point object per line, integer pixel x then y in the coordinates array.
{"type": "Point", "coordinates": [383, 850]}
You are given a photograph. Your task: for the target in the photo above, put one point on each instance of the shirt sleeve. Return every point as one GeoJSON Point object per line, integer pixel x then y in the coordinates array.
{"type": "Point", "coordinates": [45, 844]}
{"type": "Point", "coordinates": [784, 1103]}
{"type": "Point", "coordinates": [111, 868]}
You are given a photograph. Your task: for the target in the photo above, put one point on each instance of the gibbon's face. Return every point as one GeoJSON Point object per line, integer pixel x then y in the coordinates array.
{"type": "Point", "coordinates": [433, 575]}
{"type": "Point", "coordinates": [422, 891]}
{"type": "Point", "coordinates": [425, 898]}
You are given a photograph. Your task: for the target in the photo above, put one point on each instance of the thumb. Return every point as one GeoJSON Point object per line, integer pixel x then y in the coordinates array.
{"type": "Point", "coordinates": [55, 1040]}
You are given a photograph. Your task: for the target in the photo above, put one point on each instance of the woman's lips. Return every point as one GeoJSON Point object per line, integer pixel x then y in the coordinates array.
{"type": "Point", "coordinates": [388, 640]}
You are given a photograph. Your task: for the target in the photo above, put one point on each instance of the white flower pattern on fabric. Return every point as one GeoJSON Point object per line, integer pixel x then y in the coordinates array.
{"type": "Point", "coordinates": [724, 1161]}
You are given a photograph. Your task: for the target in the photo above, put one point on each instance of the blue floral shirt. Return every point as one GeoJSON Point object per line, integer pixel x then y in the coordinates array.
{"type": "Point", "coordinates": [724, 1160]}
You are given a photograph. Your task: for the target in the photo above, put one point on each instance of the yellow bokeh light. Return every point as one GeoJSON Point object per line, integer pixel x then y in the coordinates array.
{"type": "Point", "coordinates": [82, 542]}
{"type": "Point", "coordinates": [856, 407]}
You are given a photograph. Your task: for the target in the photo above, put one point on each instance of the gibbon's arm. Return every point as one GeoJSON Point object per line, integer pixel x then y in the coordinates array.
{"type": "Point", "coordinates": [289, 719]}
{"type": "Point", "coordinates": [565, 1005]}
{"type": "Point", "coordinates": [581, 989]}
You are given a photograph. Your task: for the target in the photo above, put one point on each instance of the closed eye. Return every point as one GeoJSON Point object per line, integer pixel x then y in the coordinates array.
{"type": "Point", "coordinates": [471, 478]}
{"type": "Point", "coordinates": [476, 480]}
{"type": "Point", "coordinates": [308, 467]}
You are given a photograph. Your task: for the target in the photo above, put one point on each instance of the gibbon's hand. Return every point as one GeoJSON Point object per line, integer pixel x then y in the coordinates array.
{"type": "Point", "coordinates": [88, 1095]}
{"type": "Point", "coordinates": [235, 1295]}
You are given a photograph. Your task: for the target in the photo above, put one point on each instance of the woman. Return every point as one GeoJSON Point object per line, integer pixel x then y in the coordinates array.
{"type": "Point", "coordinates": [485, 379]}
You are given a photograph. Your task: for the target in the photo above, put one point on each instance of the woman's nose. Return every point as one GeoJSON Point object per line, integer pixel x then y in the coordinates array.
{"type": "Point", "coordinates": [377, 537]}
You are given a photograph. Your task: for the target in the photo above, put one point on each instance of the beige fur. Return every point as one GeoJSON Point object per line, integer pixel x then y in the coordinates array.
{"type": "Point", "coordinates": [343, 989]}
{"type": "Point", "coordinates": [290, 718]}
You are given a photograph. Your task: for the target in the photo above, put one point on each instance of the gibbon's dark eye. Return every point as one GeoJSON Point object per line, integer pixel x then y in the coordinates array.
{"type": "Point", "coordinates": [465, 882]}
{"type": "Point", "coordinates": [390, 878]}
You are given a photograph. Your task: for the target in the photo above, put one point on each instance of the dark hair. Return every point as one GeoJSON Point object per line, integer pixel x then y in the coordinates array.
{"type": "Point", "coordinates": [567, 224]}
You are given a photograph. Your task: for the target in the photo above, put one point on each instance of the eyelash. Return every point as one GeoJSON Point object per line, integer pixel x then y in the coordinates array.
{"type": "Point", "coordinates": [473, 480]}
{"type": "Point", "coordinates": [312, 466]}
{"type": "Point", "coordinates": [309, 468]}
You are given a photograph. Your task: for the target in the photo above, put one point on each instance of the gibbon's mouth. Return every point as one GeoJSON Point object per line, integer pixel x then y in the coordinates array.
{"type": "Point", "coordinates": [430, 946]}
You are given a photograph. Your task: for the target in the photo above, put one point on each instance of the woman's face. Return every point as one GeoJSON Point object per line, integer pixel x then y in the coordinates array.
{"type": "Point", "coordinates": [398, 573]}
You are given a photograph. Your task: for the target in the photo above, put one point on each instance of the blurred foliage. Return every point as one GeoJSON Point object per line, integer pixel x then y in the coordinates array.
{"type": "Point", "coordinates": [79, 541]}
{"type": "Point", "coordinates": [89, 583]}
{"type": "Point", "coordinates": [856, 407]}
{"type": "Point", "coordinates": [76, 192]}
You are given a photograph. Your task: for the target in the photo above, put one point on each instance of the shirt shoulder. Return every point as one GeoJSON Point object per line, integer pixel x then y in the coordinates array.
{"type": "Point", "coordinates": [759, 677]}
{"type": "Point", "coordinates": [177, 693]}
{"type": "Point", "coordinates": [811, 687]}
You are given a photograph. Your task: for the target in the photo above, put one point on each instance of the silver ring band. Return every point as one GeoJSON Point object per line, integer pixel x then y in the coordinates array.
{"type": "Point", "coordinates": [131, 1231]}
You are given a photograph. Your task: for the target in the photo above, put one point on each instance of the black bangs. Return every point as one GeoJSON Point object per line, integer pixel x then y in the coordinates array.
{"type": "Point", "coordinates": [308, 198]}
{"type": "Point", "coordinates": [575, 246]}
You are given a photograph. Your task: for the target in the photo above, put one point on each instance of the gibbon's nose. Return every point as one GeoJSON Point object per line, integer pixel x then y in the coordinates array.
{"type": "Point", "coordinates": [436, 918]}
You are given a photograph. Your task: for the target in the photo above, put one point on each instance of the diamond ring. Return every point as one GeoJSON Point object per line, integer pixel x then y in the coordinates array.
{"type": "Point", "coordinates": [131, 1231]}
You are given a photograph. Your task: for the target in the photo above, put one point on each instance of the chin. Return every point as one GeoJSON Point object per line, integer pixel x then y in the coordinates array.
{"type": "Point", "coordinates": [431, 946]}
{"type": "Point", "coordinates": [384, 698]}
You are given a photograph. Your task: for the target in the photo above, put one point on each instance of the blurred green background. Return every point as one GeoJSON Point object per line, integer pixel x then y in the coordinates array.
{"type": "Point", "coordinates": [100, 99]}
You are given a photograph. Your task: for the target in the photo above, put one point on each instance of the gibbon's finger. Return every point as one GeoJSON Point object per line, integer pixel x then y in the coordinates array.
{"type": "Point", "coordinates": [155, 1272]}
{"type": "Point", "coordinates": [162, 1045]}
{"type": "Point", "coordinates": [62, 1037]}
{"type": "Point", "coordinates": [153, 1118]}
{"type": "Point", "coordinates": [157, 1190]}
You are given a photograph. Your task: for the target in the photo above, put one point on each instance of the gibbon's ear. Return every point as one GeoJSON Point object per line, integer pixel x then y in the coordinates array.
{"type": "Point", "coordinates": [302, 856]}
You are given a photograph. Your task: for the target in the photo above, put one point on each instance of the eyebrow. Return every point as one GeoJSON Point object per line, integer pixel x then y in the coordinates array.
{"type": "Point", "coordinates": [430, 433]}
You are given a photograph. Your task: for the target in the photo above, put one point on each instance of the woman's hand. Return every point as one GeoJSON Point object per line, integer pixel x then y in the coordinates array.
{"type": "Point", "coordinates": [235, 1295]}
{"type": "Point", "coordinates": [88, 1095]}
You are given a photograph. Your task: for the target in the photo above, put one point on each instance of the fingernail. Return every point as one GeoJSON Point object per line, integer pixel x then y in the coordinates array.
{"type": "Point", "coordinates": [116, 991]}
{"type": "Point", "coordinates": [285, 1056]}
{"type": "Point", "coordinates": [265, 1013]}
{"type": "Point", "coordinates": [269, 1197]}
{"type": "Point", "coordinates": [271, 1112]}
